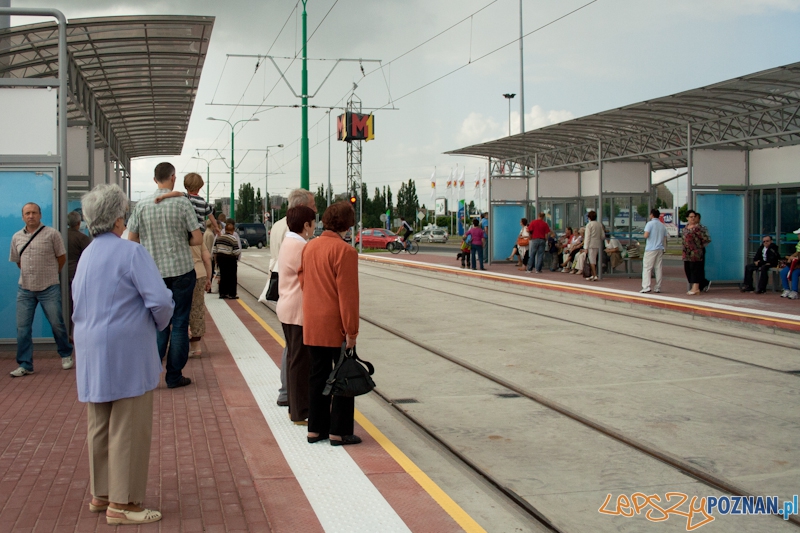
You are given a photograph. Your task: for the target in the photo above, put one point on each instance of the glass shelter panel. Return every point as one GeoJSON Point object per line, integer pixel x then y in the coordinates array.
{"type": "Point", "coordinates": [723, 215]}
{"type": "Point", "coordinates": [790, 219]}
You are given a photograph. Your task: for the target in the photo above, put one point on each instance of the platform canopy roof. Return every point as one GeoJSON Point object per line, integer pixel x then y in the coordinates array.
{"type": "Point", "coordinates": [756, 111]}
{"type": "Point", "coordinates": [138, 75]}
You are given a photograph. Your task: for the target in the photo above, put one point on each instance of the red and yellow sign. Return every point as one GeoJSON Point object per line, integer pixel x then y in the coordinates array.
{"type": "Point", "coordinates": [355, 127]}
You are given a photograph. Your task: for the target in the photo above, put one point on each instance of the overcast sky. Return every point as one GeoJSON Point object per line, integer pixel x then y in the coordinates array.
{"type": "Point", "coordinates": [609, 54]}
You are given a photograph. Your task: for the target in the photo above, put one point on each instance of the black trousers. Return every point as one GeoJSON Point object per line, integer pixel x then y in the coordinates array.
{"type": "Point", "coordinates": [227, 274]}
{"type": "Point", "coordinates": [763, 275]}
{"type": "Point", "coordinates": [327, 415]}
{"type": "Point", "coordinates": [694, 271]}
{"type": "Point", "coordinates": [298, 366]}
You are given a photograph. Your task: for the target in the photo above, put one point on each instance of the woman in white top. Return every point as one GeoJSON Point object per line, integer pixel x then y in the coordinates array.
{"type": "Point", "coordinates": [300, 221]}
{"type": "Point", "coordinates": [521, 249]}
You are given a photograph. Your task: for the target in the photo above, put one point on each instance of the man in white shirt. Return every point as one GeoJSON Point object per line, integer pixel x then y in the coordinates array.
{"type": "Point", "coordinates": [656, 234]}
{"type": "Point", "coordinates": [276, 236]}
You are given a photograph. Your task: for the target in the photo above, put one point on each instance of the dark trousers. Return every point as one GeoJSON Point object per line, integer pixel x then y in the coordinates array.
{"type": "Point", "coordinates": [298, 366]}
{"type": "Point", "coordinates": [177, 337]}
{"type": "Point", "coordinates": [763, 276]}
{"type": "Point", "coordinates": [703, 280]}
{"type": "Point", "coordinates": [213, 267]}
{"type": "Point", "coordinates": [476, 250]}
{"type": "Point", "coordinates": [228, 268]}
{"type": "Point", "coordinates": [327, 415]}
{"type": "Point", "coordinates": [694, 271]}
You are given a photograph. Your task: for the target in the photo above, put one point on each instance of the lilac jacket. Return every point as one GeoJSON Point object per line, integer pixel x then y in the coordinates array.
{"type": "Point", "coordinates": [120, 303]}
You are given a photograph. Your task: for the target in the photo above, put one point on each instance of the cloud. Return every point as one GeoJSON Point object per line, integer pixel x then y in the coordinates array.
{"type": "Point", "coordinates": [477, 128]}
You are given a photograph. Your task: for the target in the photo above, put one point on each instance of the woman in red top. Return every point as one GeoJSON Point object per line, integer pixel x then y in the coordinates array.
{"type": "Point", "coordinates": [329, 279]}
{"type": "Point", "coordinates": [478, 238]}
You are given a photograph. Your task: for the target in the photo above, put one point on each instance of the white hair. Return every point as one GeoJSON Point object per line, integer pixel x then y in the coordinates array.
{"type": "Point", "coordinates": [102, 206]}
{"type": "Point", "coordinates": [300, 197]}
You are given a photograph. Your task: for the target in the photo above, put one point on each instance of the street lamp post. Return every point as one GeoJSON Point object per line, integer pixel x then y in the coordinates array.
{"type": "Point", "coordinates": [509, 96]}
{"type": "Point", "coordinates": [208, 174]}
{"type": "Point", "coordinates": [266, 177]}
{"type": "Point", "coordinates": [233, 207]}
{"type": "Point", "coordinates": [304, 171]}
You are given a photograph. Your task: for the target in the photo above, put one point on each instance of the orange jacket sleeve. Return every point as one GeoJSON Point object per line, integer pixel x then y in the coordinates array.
{"type": "Point", "coordinates": [347, 283]}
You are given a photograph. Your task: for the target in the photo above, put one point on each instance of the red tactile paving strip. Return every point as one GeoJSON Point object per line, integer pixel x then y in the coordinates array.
{"type": "Point", "coordinates": [199, 477]}
{"type": "Point", "coordinates": [673, 285]}
{"type": "Point", "coordinates": [414, 506]}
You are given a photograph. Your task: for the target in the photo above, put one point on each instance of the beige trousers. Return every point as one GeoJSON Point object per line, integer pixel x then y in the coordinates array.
{"type": "Point", "coordinates": [119, 436]}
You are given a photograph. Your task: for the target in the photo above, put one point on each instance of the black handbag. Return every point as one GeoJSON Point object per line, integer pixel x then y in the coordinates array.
{"type": "Point", "coordinates": [272, 288]}
{"type": "Point", "coordinates": [350, 377]}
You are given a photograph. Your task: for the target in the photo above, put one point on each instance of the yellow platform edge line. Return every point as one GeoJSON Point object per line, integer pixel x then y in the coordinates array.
{"type": "Point", "coordinates": [455, 511]}
{"type": "Point", "coordinates": [263, 324]}
{"type": "Point", "coordinates": [465, 521]}
{"type": "Point", "coordinates": [588, 290]}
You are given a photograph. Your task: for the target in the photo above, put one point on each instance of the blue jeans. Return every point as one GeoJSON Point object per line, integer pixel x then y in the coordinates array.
{"type": "Point", "coordinates": [50, 298]}
{"type": "Point", "coordinates": [479, 251]}
{"type": "Point", "coordinates": [536, 254]}
{"type": "Point", "coordinates": [785, 281]}
{"type": "Point", "coordinates": [182, 288]}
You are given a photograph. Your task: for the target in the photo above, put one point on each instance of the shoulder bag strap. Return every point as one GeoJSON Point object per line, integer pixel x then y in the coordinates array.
{"type": "Point", "coordinates": [30, 240]}
{"type": "Point", "coordinates": [355, 356]}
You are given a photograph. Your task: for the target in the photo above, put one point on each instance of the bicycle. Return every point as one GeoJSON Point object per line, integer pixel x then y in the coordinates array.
{"type": "Point", "coordinates": [397, 246]}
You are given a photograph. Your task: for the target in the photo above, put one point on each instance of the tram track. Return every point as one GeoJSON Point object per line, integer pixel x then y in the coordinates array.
{"type": "Point", "coordinates": [509, 493]}
{"type": "Point", "coordinates": [651, 451]}
{"type": "Point", "coordinates": [638, 337]}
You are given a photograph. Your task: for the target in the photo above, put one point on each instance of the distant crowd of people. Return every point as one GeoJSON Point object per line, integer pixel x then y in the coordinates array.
{"type": "Point", "coordinates": [581, 252]}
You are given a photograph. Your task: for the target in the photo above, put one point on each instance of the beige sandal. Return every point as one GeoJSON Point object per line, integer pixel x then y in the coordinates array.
{"type": "Point", "coordinates": [145, 516]}
{"type": "Point", "coordinates": [98, 508]}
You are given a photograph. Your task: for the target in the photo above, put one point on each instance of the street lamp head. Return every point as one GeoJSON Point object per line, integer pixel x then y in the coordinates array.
{"type": "Point", "coordinates": [280, 146]}
{"type": "Point", "coordinates": [253, 120]}
{"type": "Point", "coordinates": [212, 118]}
{"type": "Point", "coordinates": [509, 95]}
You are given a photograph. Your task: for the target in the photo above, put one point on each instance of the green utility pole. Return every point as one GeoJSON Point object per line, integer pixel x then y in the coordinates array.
{"type": "Point", "coordinates": [233, 207]}
{"type": "Point", "coordinates": [304, 112]}
{"type": "Point", "coordinates": [233, 126]}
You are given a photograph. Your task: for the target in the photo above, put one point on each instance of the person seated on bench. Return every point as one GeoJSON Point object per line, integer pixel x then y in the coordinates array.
{"type": "Point", "coordinates": [572, 250]}
{"type": "Point", "coordinates": [766, 257]}
{"type": "Point", "coordinates": [613, 252]}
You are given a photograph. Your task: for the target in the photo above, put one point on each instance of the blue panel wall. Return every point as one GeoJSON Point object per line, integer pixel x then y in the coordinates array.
{"type": "Point", "coordinates": [20, 187]}
{"type": "Point", "coordinates": [504, 228]}
{"type": "Point", "coordinates": [723, 215]}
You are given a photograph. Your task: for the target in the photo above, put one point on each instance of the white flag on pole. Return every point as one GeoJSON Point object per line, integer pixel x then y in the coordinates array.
{"type": "Point", "coordinates": [477, 192]}
{"type": "Point", "coordinates": [461, 190]}
{"type": "Point", "coordinates": [433, 189]}
{"type": "Point", "coordinates": [449, 187]}
{"type": "Point", "coordinates": [486, 189]}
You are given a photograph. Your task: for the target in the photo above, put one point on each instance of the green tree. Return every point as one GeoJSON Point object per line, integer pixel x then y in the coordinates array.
{"type": "Point", "coordinates": [245, 209]}
{"type": "Point", "coordinates": [259, 206]}
{"type": "Point", "coordinates": [682, 212]}
{"type": "Point", "coordinates": [320, 200]}
{"type": "Point", "coordinates": [642, 210]}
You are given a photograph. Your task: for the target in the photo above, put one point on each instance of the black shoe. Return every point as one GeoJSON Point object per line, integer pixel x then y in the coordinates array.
{"type": "Point", "coordinates": [312, 440]}
{"type": "Point", "coordinates": [747, 289]}
{"type": "Point", "coordinates": [181, 383]}
{"type": "Point", "coordinates": [760, 291]}
{"type": "Point", "coordinates": [346, 439]}
{"type": "Point", "coordinates": [283, 403]}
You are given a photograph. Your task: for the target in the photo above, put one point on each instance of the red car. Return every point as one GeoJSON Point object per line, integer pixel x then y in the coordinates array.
{"type": "Point", "coordinates": [376, 238]}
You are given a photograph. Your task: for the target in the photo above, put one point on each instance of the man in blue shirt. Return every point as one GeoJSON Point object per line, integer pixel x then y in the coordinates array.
{"type": "Point", "coordinates": [656, 234]}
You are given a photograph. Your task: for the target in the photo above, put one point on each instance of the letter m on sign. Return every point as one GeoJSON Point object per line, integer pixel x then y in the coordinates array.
{"type": "Point", "coordinates": [361, 127]}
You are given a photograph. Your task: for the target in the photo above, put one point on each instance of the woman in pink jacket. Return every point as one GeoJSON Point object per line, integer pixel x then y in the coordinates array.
{"type": "Point", "coordinates": [300, 221]}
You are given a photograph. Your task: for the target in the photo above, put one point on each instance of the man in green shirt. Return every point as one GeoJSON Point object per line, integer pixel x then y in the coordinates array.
{"type": "Point", "coordinates": [166, 230]}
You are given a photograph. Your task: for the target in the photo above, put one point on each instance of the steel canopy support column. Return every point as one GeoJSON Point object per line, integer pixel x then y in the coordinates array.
{"type": "Point", "coordinates": [600, 205]}
{"type": "Point", "coordinates": [690, 193]}
{"type": "Point", "coordinates": [536, 185]}
{"type": "Point", "coordinates": [521, 78]}
{"type": "Point", "coordinates": [304, 181]}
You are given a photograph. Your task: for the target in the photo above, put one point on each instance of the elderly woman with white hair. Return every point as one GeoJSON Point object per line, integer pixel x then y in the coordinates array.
{"type": "Point", "coordinates": [120, 303]}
